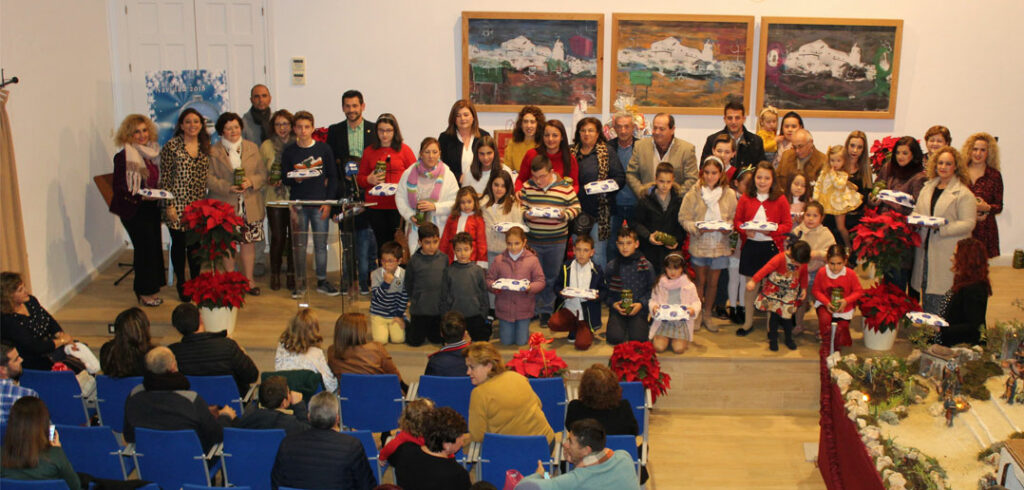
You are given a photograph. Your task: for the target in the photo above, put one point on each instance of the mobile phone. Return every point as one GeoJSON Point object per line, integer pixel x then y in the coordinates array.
{"type": "Point", "coordinates": [53, 432]}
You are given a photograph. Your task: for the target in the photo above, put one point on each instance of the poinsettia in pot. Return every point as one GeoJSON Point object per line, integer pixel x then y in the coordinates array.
{"type": "Point", "coordinates": [637, 361]}
{"type": "Point", "coordinates": [884, 307]}
{"type": "Point", "coordinates": [214, 229]}
{"type": "Point", "coordinates": [535, 361]}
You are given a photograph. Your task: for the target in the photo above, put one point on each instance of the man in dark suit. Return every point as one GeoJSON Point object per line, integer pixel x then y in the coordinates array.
{"type": "Point", "coordinates": [322, 457]}
{"type": "Point", "coordinates": [749, 147]}
{"type": "Point", "coordinates": [347, 140]}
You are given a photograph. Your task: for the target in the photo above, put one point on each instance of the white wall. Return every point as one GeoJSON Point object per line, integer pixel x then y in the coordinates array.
{"type": "Point", "coordinates": [405, 55]}
{"type": "Point", "coordinates": [62, 117]}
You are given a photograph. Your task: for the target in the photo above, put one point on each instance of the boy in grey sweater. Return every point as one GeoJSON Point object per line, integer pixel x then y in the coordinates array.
{"type": "Point", "coordinates": [464, 290]}
{"type": "Point", "coordinates": [423, 283]}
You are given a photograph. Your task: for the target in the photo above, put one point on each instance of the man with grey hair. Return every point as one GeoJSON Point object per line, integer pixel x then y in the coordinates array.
{"type": "Point", "coordinates": [164, 402]}
{"type": "Point", "coordinates": [257, 127]}
{"type": "Point", "coordinates": [802, 159]}
{"type": "Point", "coordinates": [322, 457]}
{"type": "Point", "coordinates": [625, 199]}
{"type": "Point", "coordinates": [662, 146]}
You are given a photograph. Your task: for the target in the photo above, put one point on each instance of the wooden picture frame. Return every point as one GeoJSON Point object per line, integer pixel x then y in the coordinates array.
{"type": "Point", "coordinates": [833, 68]}
{"type": "Point", "coordinates": [550, 60]}
{"type": "Point", "coordinates": [683, 64]}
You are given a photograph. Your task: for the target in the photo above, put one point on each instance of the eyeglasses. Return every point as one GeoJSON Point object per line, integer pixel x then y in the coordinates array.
{"type": "Point", "coordinates": [385, 130]}
{"type": "Point", "coordinates": [283, 125]}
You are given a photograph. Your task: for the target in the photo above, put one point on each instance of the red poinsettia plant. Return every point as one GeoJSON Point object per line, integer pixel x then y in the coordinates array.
{"type": "Point", "coordinates": [881, 152]}
{"type": "Point", "coordinates": [535, 361]}
{"type": "Point", "coordinates": [637, 361]}
{"type": "Point", "coordinates": [218, 289]}
{"type": "Point", "coordinates": [881, 238]}
{"type": "Point", "coordinates": [216, 228]}
{"type": "Point", "coordinates": [884, 306]}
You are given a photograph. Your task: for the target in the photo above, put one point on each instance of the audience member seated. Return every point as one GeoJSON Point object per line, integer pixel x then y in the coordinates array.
{"type": "Point", "coordinates": [202, 353]}
{"type": "Point", "coordinates": [431, 466]}
{"type": "Point", "coordinates": [595, 466]}
{"type": "Point", "coordinates": [322, 457]}
{"type": "Point", "coordinates": [450, 360]}
{"type": "Point", "coordinates": [600, 398]}
{"type": "Point", "coordinates": [299, 348]}
{"type": "Point", "coordinates": [125, 354]}
{"type": "Point", "coordinates": [10, 372]}
{"type": "Point", "coordinates": [502, 401]}
{"type": "Point", "coordinates": [28, 326]}
{"type": "Point", "coordinates": [164, 402]}
{"type": "Point", "coordinates": [968, 298]}
{"type": "Point", "coordinates": [354, 353]}
{"type": "Point", "coordinates": [29, 453]}
{"type": "Point", "coordinates": [279, 408]}
{"type": "Point", "coordinates": [410, 427]}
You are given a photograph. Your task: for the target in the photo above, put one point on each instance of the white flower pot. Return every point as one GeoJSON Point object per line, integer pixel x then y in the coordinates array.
{"type": "Point", "coordinates": [219, 319]}
{"type": "Point", "coordinates": [879, 341]}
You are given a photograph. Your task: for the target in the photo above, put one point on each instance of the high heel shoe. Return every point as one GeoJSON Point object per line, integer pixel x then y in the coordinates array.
{"type": "Point", "coordinates": [149, 302]}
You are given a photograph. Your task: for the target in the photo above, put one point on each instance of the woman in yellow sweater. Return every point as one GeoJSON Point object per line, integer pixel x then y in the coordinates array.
{"type": "Point", "coordinates": [525, 136]}
{"type": "Point", "coordinates": [502, 401]}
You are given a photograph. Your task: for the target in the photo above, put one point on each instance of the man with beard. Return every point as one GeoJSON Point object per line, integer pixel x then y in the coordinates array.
{"type": "Point", "coordinates": [10, 372]}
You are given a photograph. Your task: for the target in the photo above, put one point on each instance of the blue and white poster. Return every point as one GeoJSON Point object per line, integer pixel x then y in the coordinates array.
{"type": "Point", "coordinates": [169, 92]}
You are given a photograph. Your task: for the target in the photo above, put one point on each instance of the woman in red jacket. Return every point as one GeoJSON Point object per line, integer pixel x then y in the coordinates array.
{"type": "Point", "coordinates": [392, 157]}
{"type": "Point", "coordinates": [836, 306]}
{"type": "Point", "coordinates": [556, 146]}
{"type": "Point", "coordinates": [764, 202]}
{"type": "Point", "coordinates": [465, 216]}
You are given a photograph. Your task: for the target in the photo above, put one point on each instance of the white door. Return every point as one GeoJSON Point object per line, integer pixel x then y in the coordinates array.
{"type": "Point", "coordinates": [219, 35]}
{"type": "Point", "coordinates": [230, 37]}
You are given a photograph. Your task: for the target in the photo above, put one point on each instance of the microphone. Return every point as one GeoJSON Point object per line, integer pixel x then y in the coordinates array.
{"type": "Point", "coordinates": [10, 81]}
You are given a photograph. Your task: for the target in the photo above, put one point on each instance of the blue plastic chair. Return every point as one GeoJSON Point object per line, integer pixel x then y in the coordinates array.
{"type": "Point", "coordinates": [446, 391]}
{"type": "Point", "coordinates": [635, 392]}
{"type": "Point", "coordinates": [370, 447]}
{"type": "Point", "coordinates": [12, 484]}
{"type": "Point", "coordinates": [188, 486]}
{"type": "Point", "coordinates": [370, 402]}
{"type": "Point", "coordinates": [62, 394]}
{"type": "Point", "coordinates": [217, 390]}
{"type": "Point", "coordinates": [111, 394]}
{"type": "Point", "coordinates": [94, 450]}
{"type": "Point", "coordinates": [551, 392]}
{"type": "Point", "coordinates": [172, 458]}
{"type": "Point", "coordinates": [499, 453]}
{"type": "Point", "coordinates": [626, 443]}
{"type": "Point", "coordinates": [249, 456]}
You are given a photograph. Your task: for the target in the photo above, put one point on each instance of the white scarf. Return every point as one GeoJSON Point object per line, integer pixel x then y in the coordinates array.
{"type": "Point", "coordinates": [516, 256]}
{"type": "Point", "coordinates": [711, 198]}
{"type": "Point", "coordinates": [135, 165]}
{"type": "Point", "coordinates": [832, 276]}
{"type": "Point", "coordinates": [579, 277]}
{"type": "Point", "coordinates": [234, 152]}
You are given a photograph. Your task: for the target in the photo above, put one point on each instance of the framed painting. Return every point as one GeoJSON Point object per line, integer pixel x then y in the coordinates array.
{"type": "Point", "coordinates": [684, 64]}
{"type": "Point", "coordinates": [844, 68]}
{"type": "Point", "coordinates": [502, 137]}
{"type": "Point", "coordinates": [550, 60]}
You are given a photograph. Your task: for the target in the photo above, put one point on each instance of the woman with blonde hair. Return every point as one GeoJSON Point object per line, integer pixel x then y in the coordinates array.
{"type": "Point", "coordinates": [354, 352]}
{"type": "Point", "coordinates": [946, 195]}
{"type": "Point", "coordinates": [502, 401]}
{"type": "Point", "coordinates": [137, 167]}
{"type": "Point", "coordinates": [299, 348]}
{"type": "Point", "coordinates": [986, 182]}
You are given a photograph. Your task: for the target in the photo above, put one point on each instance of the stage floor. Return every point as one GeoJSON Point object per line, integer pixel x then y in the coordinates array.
{"type": "Point", "coordinates": [730, 395]}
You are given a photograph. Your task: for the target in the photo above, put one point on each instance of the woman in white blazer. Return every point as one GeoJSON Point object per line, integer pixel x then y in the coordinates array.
{"type": "Point", "coordinates": [947, 195]}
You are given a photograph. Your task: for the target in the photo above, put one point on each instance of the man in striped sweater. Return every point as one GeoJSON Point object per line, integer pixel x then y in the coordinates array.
{"type": "Point", "coordinates": [388, 297]}
{"type": "Point", "coordinates": [548, 234]}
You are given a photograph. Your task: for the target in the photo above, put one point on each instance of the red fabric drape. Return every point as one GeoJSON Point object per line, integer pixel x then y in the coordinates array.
{"type": "Point", "coordinates": [843, 459]}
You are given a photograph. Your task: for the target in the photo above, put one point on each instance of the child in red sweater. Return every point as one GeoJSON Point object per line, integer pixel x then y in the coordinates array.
{"type": "Point", "coordinates": [836, 290]}
{"type": "Point", "coordinates": [784, 290]}
{"type": "Point", "coordinates": [763, 202]}
{"type": "Point", "coordinates": [465, 216]}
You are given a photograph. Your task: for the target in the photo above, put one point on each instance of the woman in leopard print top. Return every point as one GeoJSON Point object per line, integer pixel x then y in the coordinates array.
{"type": "Point", "coordinates": [184, 163]}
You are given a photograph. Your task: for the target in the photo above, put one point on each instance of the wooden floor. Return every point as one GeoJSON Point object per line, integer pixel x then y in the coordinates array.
{"type": "Point", "coordinates": [736, 412]}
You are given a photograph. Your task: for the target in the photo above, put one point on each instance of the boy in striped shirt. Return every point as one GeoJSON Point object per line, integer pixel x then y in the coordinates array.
{"type": "Point", "coordinates": [548, 235]}
{"type": "Point", "coordinates": [388, 297]}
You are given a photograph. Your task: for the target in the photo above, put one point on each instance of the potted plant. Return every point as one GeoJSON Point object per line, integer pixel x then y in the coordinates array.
{"type": "Point", "coordinates": [537, 362]}
{"type": "Point", "coordinates": [637, 361]}
{"type": "Point", "coordinates": [214, 228]}
{"type": "Point", "coordinates": [884, 307]}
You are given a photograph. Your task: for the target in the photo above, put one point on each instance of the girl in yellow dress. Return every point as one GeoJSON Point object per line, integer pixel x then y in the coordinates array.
{"type": "Point", "coordinates": [767, 128]}
{"type": "Point", "coordinates": [835, 192]}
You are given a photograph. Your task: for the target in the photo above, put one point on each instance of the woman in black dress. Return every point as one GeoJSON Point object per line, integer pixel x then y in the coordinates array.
{"type": "Point", "coordinates": [28, 326]}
